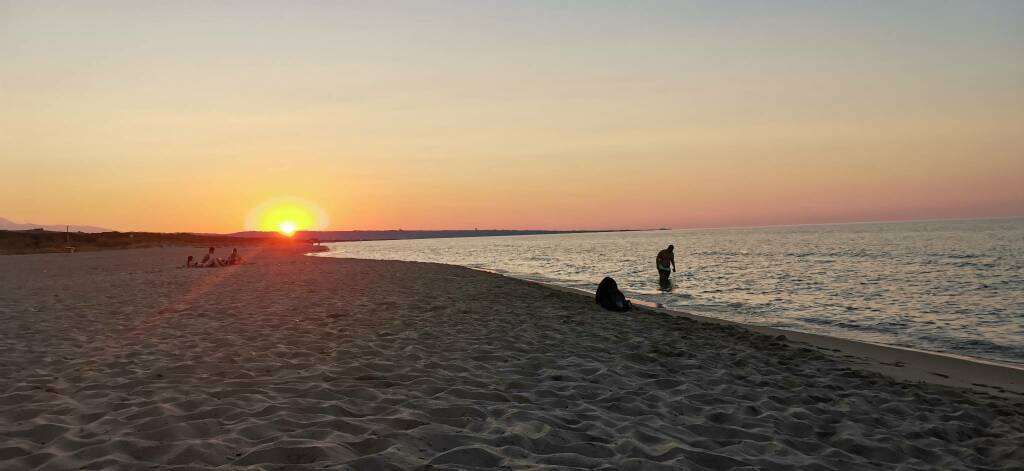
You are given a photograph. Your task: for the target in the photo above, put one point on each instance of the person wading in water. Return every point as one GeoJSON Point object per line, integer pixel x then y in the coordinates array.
{"type": "Point", "coordinates": [666, 263]}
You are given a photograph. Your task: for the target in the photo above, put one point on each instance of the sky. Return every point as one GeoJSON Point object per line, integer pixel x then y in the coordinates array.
{"type": "Point", "coordinates": [187, 116]}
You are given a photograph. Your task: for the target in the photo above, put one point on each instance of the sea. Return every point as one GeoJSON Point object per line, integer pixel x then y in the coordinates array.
{"type": "Point", "coordinates": [945, 286]}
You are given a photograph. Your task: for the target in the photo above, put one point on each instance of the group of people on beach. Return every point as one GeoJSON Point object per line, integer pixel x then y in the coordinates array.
{"type": "Point", "coordinates": [610, 297]}
{"type": "Point", "coordinates": [211, 261]}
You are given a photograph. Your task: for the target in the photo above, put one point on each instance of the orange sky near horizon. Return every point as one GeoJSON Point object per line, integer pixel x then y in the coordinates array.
{"type": "Point", "coordinates": [184, 117]}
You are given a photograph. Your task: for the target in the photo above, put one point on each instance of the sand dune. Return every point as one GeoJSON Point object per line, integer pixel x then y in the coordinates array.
{"type": "Point", "coordinates": [116, 360]}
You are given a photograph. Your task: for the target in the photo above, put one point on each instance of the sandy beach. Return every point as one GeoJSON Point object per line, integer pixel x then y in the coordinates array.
{"type": "Point", "coordinates": [119, 360]}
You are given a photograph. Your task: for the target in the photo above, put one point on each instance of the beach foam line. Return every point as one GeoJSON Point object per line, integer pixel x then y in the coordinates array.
{"type": "Point", "coordinates": [901, 363]}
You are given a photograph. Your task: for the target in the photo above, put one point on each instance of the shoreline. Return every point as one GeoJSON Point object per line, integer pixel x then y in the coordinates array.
{"type": "Point", "coordinates": [900, 363]}
{"type": "Point", "coordinates": [829, 288]}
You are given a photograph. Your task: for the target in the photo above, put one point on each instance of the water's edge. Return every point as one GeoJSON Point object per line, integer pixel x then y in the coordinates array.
{"type": "Point", "coordinates": [951, 287]}
{"type": "Point", "coordinates": [812, 338]}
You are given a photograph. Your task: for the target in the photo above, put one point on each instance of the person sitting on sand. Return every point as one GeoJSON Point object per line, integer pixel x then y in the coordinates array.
{"type": "Point", "coordinates": [666, 258]}
{"type": "Point", "coordinates": [234, 258]}
{"type": "Point", "coordinates": [191, 262]}
{"type": "Point", "coordinates": [609, 296]}
{"type": "Point", "coordinates": [210, 260]}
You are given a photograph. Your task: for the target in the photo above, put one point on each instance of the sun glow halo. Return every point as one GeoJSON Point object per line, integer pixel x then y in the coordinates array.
{"type": "Point", "coordinates": [286, 216]}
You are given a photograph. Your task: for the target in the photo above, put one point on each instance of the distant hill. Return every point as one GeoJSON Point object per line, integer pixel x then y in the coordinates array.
{"type": "Point", "coordinates": [8, 225]}
{"type": "Point", "coordinates": [349, 236]}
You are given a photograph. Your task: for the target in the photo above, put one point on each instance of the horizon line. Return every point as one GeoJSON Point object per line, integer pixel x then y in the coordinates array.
{"type": "Point", "coordinates": [873, 221]}
{"type": "Point", "coordinates": [692, 228]}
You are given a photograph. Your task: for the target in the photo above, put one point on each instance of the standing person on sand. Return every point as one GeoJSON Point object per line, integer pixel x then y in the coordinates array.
{"type": "Point", "coordinates": [666, 258]}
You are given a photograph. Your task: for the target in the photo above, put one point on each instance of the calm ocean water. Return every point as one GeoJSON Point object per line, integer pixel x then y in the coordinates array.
{"type": "Point", "coordinates": [947, 286]}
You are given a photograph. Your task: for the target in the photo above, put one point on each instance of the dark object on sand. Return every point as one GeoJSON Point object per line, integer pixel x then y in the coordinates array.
{"type": "Point", "coordinates": [609, 296]}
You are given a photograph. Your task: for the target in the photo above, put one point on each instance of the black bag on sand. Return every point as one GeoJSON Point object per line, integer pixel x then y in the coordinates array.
{"type": "Point", "coordinates": [609, 296]}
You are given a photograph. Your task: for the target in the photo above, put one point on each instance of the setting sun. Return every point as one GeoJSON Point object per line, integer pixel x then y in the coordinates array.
{"type": "Point", "coordinates": [286, 215]}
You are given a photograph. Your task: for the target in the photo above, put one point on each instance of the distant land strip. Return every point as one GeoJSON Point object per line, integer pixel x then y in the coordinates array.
{"type": "Point", "coordinates": [40, 241]}
{"type": "Point", "coordinates": [44, 241]}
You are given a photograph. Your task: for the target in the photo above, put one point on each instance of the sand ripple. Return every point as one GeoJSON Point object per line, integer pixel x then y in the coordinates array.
{"type": "Point", "coordinates": [112, 361]}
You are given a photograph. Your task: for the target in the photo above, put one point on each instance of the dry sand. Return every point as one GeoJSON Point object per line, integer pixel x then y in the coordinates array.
{"type": "Point", "coordinates": [118, 360]}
